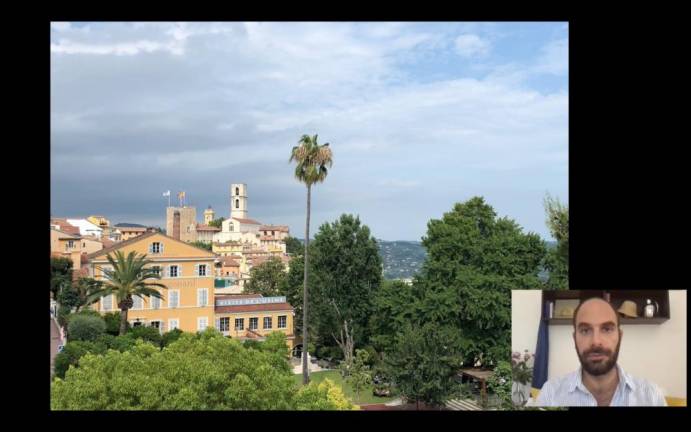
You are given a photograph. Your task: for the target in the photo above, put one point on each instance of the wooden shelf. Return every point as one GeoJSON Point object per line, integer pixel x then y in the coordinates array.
{"type": "Point", "coordinates": [627, 321]}
{"type": "Point", "coordinates": [616, 297]}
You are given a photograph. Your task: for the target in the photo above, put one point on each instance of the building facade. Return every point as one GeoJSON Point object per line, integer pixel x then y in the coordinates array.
{"type": "Point", "coordinates": [252, 316]}
{"type": "Point", "coordinates": [187, 272]}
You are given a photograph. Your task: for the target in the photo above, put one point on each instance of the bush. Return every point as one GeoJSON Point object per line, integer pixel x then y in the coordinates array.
{"type": "Point", "coordinates": [70, 356]}
{"type": "Point", "coordinates": [112, 320]}
{"type": "Point", "coordinates": [170, 337]}
{"type": "Point", "coordinates": [373, 358]}
{"type": "Point", "coordinates": [84, 327]}
{"type": "Point", "coordinates": [149, 334]}
{"type": "Point", "coordinates": [63, 314]}
{"type": "Point", "coordinates": [500, 384]}
{"type": "Point", "coordinates": [123, 343]}
{"type": "Point", "coordinates": [250, 343]}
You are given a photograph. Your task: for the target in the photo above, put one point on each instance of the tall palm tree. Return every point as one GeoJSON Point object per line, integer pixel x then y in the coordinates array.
{"type": "Point", "coordinates": [312, 160]}
{"type": "Point", "coordinates": [128, 278]}
{"type": "Point", "coordinates": [85, 287]}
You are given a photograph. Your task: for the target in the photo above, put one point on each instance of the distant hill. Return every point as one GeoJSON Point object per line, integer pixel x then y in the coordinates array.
{"type": "Point", "coordinates": [401, 259]}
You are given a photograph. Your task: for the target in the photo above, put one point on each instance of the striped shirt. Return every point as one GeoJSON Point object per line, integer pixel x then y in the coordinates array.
{"type": "Point", "coordinates": [569, 390]}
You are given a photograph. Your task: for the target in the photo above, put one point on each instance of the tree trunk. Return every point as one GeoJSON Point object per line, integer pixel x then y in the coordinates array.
{"type": "Point", "coordinates": [123, 321]}
{"type": "Point", "coordinates": [305, 343]}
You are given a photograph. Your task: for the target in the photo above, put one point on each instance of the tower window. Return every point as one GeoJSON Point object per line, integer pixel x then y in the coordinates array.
{"type": "Point", "coordinates": [237, 191]}
{"type": "Point", "coordinates": [237, 203]}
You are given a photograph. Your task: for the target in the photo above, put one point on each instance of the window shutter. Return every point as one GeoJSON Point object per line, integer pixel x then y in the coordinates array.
{"type": "Point", "coordinates": [161, 247]}
{"type": "Point", "coordinates": [151, 248]}
{"type": "Point", "coordinates": [167, 271]}
{"type": "Point", "coordinates": [218, 323]}
{"type": "Point", "coordinates": [196, 269]}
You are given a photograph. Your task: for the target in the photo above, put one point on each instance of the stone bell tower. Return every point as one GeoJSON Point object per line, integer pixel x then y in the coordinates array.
{"type": "Point", "coordinates": [238, 200]}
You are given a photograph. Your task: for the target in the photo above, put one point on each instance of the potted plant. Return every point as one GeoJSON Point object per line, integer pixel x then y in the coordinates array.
{"type": "Point", "coordinates": [522, 375]}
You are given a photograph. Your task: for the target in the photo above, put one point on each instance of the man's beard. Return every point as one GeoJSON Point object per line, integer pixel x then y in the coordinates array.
{"type": "Point", "coordinates": [599, 367]}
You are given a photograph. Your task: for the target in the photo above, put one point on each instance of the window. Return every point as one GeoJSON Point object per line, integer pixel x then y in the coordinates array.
{"type": "Point", "coordinates": [231, 226]}
{"type": "Point", "coordinates": [254, 323]}
{"type": "Point", "coordinates": [282, 322]}
{"type": "Point", "coordinates": [224, 324]}
{"type": "Point", "coordinates": [69, 245]}
{"type": "Point", "coordinates": [202, 270]}
{"type": "Point", "coordinates": [137, 302]}
{"type": "Point", "coordinates": [173, 323]}
{"type": "Point", "coordinates": [156, 324]}
{"type": "Point", "coordinates": [156, 270]}
{"type": "Point", "coordinates": [173, 299]}
{"type": "Point", "coordinates": [202, 323]}
{"type": "Point", "coordinates": [237, 203]}
{"type": "Point", "coordinates": [267, 322]}
{"type": "Point", "coordinates": [83, 245]}
{"type": "Point", "coordinates": [173, 271]}
{"type": "Point", "coordinates": [107, 303]}
{"type": "Point", "coordinates": [155, 248]}
{"type": "Point", "coordinates": [202, 297]}
{"type": "Point", "coordinates": [155, 302]}
{"type": "Point", "coordinates": [239, 323]}
{"type": "Point", "coordinates": [237, 191]}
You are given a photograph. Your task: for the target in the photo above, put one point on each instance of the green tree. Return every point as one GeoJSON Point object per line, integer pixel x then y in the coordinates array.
{"type": "Point", "coordinates": [79, 294]}
{"type": "Point", "coordinates": [112, 320]}
{"type": "Point", "coordinates": [294, 246]}
{"type": "Point", "coordinates": [201, 245]}
{"type": "Point", "coordinates": [393, 308]}
{"type": "Point", "coordinates": [170, 336]}
{"type": "Point", "coordinates": [60, 274]}
{"type": "Point", "coordinates": [149, 334]}
{"type": "Point", "coordinates": [557, 259]}
{"type": "Point", "coordinates": [347, 275]}
{"type": "Point", "coordinates": [267, 278]}
{"type": "Point", "coordinates": [424, 362]}
{"type": "Point", "coordinates": [203, 371]}
{"type": "Point", "coordinates": [129, 277]}
{"type": "Point", "coordinates": [86, 328]}
{"type": "Point", "coordinates": [474, 260]}
{"type": "Point", "coordinates": [312, 163]}
{"type": "Point", "coordinates": [217, 222]}
{"type": "Point", "coordinates": [359, 374]}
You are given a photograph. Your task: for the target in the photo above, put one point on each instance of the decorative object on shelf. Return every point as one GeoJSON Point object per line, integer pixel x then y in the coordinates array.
{"type": "Point", "coordinates": [565, 308]}
{"type": "Point", "coordinates": [628, 309]}
{"type": "Point", "coordinates": [650, 309]}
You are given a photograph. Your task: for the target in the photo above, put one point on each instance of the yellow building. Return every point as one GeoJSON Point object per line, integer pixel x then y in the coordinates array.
{"type": "Point", "coordinates": [187, 272]}
{"type": "Point", "coordinates": [252, 316]}
{"type": "Point", "coordinates": [190, 302]}
{"type": "Point", "coordinates": [227, 248]}
{"type": "Point", "coordinates": [66, 245]}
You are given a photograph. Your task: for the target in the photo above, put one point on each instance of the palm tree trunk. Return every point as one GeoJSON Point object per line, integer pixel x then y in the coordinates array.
{"type": "Point", "coordinates": [305, 370]}
{"type": "Point", "coordinates": [123, 321]}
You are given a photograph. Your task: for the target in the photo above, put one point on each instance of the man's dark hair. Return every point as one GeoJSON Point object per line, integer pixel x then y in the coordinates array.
{"type": "Point", "coordinates": [575, 313]}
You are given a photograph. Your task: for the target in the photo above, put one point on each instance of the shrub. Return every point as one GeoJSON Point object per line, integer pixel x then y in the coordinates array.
{"type": "Point", "coordinates": [500, 384]}
{"type": "Point", "coordinates": [373, 357]}
{"type": "Point", "coordinates": [63, 314]}
{"type": "Point", "coordinates": [149, 334]}
{"type": "Point", "coordinates": [70, 356]}
{"type": "Point", "coordinates": [112, 320]}
{"type": "Point", "coordinates": [170, 337]}
{"type": "Point", "coordinates": [124, 343]}
{"type": "Point", "coordinates": [250, 343]}
{"type": "Point", "coordinates": [85, 327]}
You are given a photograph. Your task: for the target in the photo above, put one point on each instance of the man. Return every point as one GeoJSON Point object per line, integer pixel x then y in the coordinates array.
{"type": "Point", "coordinates": [600, 381]}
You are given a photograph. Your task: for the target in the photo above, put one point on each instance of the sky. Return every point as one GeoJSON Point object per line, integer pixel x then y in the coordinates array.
{"type": "Point", "coordinates": [419, 116]}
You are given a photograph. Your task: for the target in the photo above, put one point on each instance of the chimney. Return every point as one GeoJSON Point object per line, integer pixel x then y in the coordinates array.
{"type": "Point", "coordinates": [176, 225]}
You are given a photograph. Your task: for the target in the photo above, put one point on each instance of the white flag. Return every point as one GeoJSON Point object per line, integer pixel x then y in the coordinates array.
{"type": "Point", "coordinates": [167, 193]}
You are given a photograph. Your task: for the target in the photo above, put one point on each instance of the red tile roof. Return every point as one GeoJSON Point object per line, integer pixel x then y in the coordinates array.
{"type": "Point", "coordinates": [247, 221]}
{"type": "Point", "coordinates": [65, 226]}
{"type": "Point", "coordinates": [254, 308]}
{"type": "Point", "coordinates": [229, 262]}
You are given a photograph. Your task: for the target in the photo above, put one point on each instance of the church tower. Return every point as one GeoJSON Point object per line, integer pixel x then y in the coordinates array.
{"type": "Point", "coordinates": [238, 200]}
{"type": "Point", "coordinates": [208, 215]}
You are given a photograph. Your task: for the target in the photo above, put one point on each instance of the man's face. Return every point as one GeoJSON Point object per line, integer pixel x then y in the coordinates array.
{"type": "Point", "coordinates": [597, 337]}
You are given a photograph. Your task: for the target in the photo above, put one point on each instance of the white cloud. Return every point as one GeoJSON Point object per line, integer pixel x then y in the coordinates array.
{"type": "Point", "coordinates": [554, 58]}
{"type": "Point", "coordinates": [67, 46]}
{"type": "Point", "coordinates": [60, 26]}
{"type": "Point", "coordinates": [470, 45]}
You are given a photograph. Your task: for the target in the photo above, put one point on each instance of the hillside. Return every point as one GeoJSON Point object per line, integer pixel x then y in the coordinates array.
{"type": "Point", "coordinates": [401, 259]}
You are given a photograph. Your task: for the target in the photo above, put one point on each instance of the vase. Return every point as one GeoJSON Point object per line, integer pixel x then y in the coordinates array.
{"type": "Point", "coordinates": [520, 392]}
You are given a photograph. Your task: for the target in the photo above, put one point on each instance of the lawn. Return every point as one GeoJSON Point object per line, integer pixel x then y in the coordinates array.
{"type": "Point", "coordinates": [366, 396]}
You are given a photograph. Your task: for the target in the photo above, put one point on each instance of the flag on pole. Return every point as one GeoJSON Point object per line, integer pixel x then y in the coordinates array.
{"type": "Point", "coordinates": [166, 193]}
{"type": "Point", "coordinates": [540, 368]}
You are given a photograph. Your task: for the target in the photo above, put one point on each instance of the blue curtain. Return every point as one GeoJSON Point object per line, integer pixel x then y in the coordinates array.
{"type": "Point", "coordinates": [542, 350]}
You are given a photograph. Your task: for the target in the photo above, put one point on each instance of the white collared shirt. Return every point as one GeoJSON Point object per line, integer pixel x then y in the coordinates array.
{"type": "Point", "coordinates": [569, 390]}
